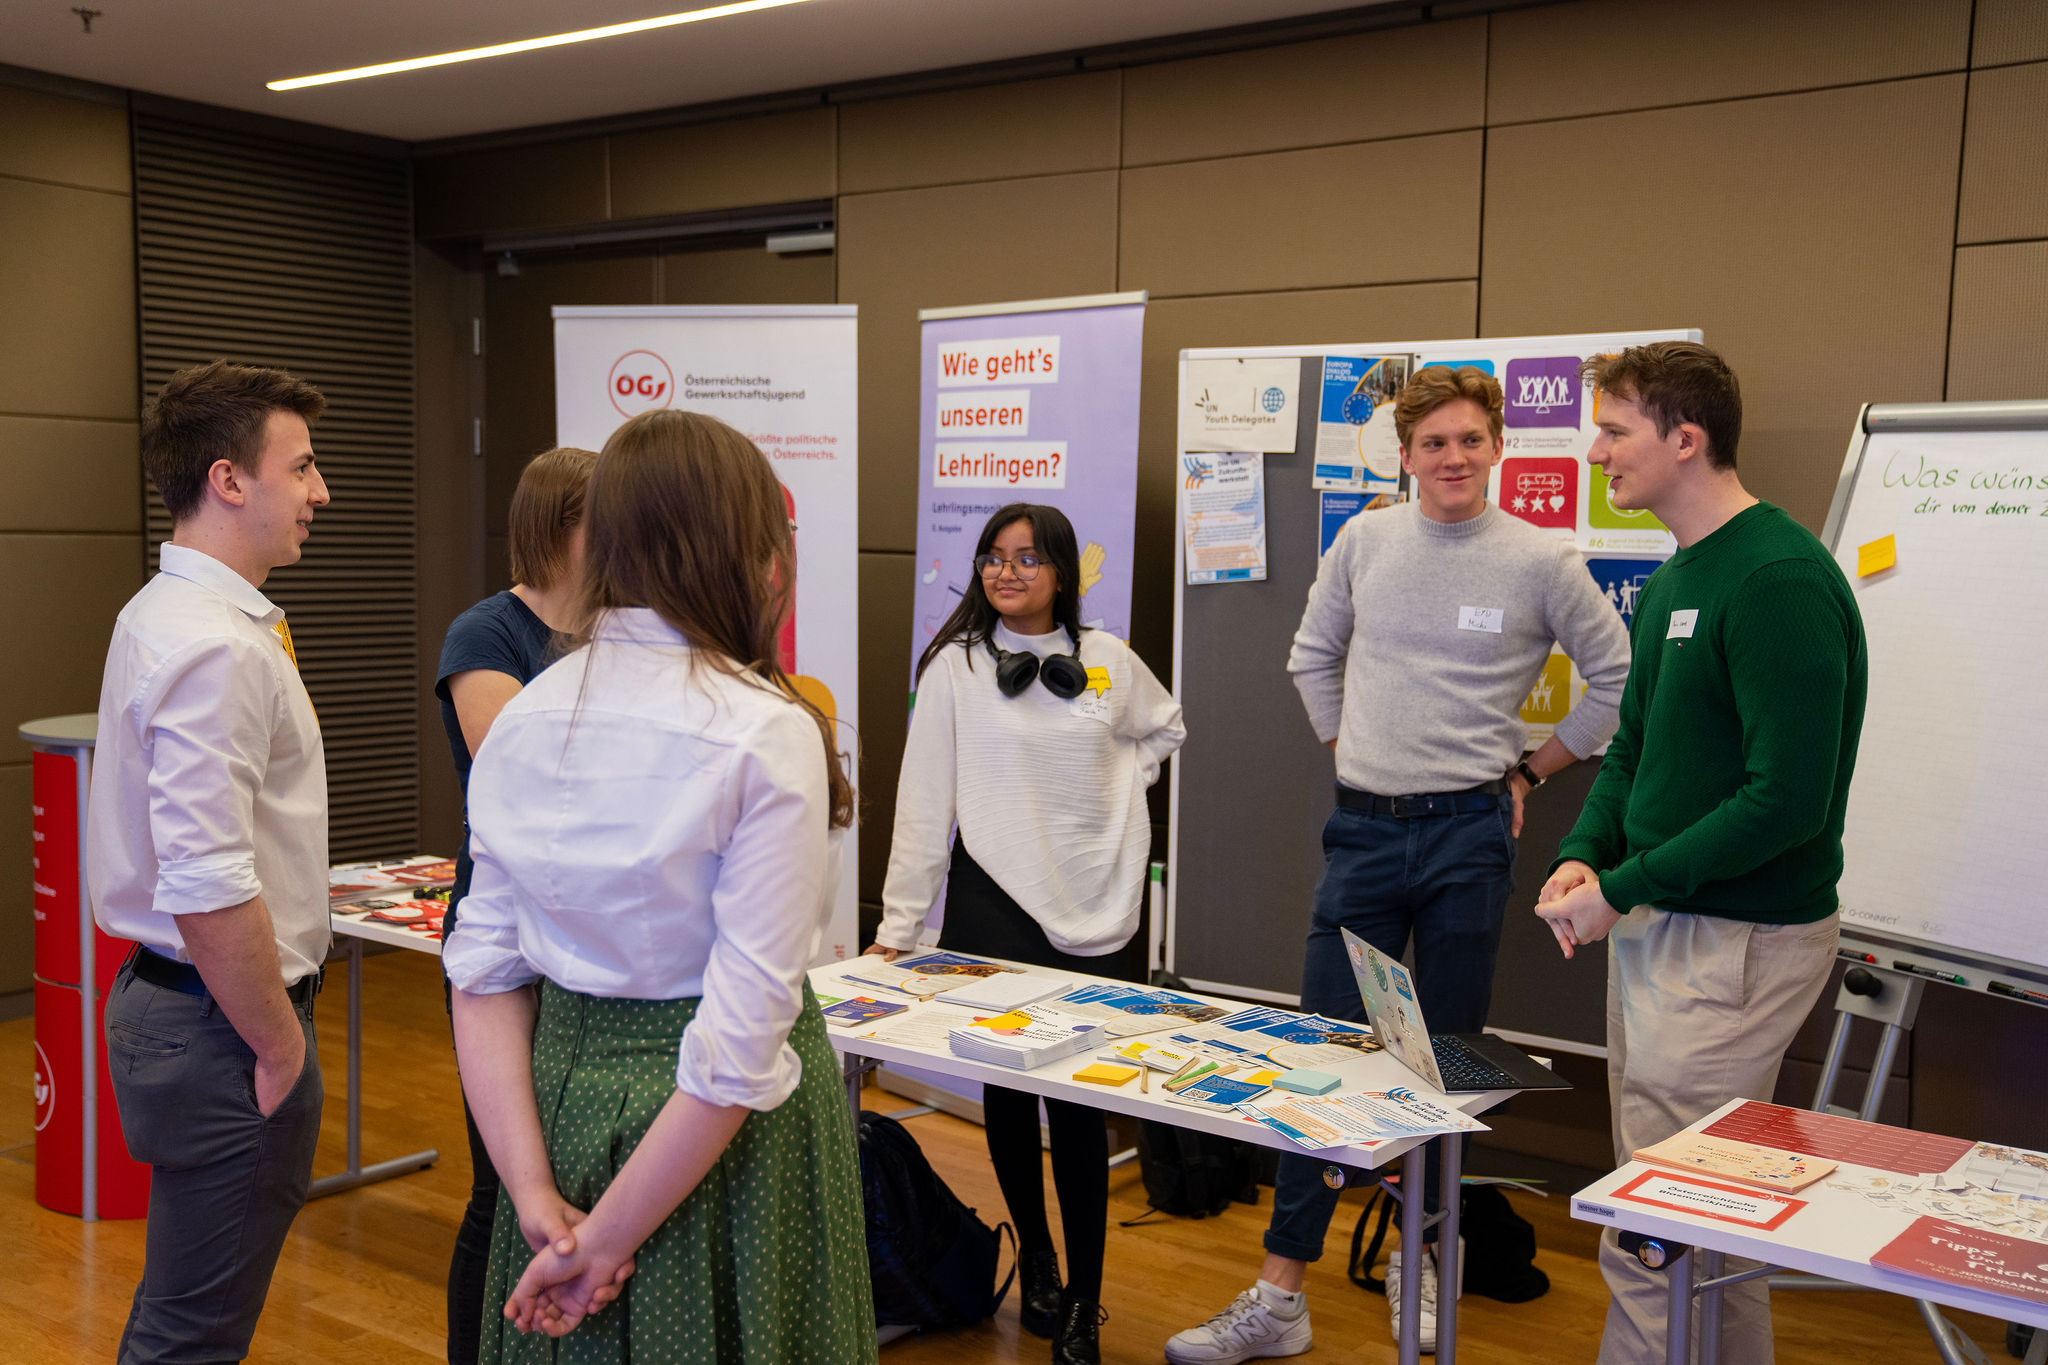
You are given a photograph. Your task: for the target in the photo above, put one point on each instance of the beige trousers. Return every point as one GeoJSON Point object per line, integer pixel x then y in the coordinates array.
{"type": "Point", "coordinates": [1700, 1010]}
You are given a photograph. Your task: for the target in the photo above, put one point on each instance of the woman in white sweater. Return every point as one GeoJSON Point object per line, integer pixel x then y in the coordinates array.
{"type": "Point", "coordinates": [1037, 738]}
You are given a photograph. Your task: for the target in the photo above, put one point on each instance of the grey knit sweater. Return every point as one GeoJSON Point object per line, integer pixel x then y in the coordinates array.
{"type": "Point", "coordinates": [1422, 639]}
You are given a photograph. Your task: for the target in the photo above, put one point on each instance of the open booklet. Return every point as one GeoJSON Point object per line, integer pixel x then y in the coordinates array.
{"type": "Point", "coordinates": [1360, 1118]}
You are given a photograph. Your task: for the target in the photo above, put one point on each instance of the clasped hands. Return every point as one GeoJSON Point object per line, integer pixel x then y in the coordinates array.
{"type": "Point", "coordinates": [570, 1277]}
{"type": "Point", "coordinates": [1571, 904]}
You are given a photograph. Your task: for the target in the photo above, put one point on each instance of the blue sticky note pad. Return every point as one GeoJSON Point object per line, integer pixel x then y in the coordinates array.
{"type": "Point", "coordinates": [1307, 1082]}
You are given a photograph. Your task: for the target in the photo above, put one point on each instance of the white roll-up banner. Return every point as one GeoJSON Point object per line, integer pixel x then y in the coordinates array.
{"type": "Point", "coordinates": [785, 377]}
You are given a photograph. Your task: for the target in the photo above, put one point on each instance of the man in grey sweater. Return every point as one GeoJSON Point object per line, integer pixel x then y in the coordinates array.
{"type": "Point", "coordinates": [1426, 628]}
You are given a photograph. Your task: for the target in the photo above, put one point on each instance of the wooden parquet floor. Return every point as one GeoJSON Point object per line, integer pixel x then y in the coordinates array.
{"type": "Point", "coordinates": [362, 1277]}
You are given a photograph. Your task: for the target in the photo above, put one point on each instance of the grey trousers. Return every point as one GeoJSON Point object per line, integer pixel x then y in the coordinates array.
{"type": "Point", "coordinates": [225, 1181]}
{"type": "Point", "coordinates": [1700, 1010]}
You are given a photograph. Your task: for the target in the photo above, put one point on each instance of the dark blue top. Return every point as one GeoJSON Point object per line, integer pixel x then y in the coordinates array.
{"type": "Point", "coordinates": [502, 634]}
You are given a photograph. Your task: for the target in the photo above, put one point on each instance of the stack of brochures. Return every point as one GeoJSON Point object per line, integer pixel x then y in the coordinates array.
{"type": "Point", "coordinates": [1007, 991]}
{"type": "Point", "coordinates": [1024, 1038]}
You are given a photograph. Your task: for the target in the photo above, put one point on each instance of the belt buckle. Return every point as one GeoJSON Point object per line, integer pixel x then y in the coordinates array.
{"type": "Point", "coordinates": [1409, 807]}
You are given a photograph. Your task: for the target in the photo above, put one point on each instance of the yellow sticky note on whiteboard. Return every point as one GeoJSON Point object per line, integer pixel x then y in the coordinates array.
{"type": "Point", "coordinates": [1877, 556]}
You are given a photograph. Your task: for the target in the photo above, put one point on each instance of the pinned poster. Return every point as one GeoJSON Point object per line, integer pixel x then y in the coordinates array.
{"type": "Point", "coordinates": [1223, 515]}
{"type": "Point", "coordinates": [1028, 402]}
{"type": "Point", "coordinates": [784, 376]}
{"type": "Point", "coordinates": [1357, 446]}
{"type": "Point", "coordinates": [1241, 404]}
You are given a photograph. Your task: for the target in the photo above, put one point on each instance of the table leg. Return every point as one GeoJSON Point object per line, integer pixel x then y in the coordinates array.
{"type": "Point", "coordinates": [1678, 1315]}
{"type": "Point", "coordinates": [2037, 1348]}
{"type": "Point", "coordinates": [1450, 1197]}
{"type": "Point", "coordinates": [1413, 1218]}
{"type": "Point", "coordinates": [356, 1173]}
{"type": "Point", "coordinates": [855, 1070]}
{"type": "Point", "coordinates": [1710, 1309]}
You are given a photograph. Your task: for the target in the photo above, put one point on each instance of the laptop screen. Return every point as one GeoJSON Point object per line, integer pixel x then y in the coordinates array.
{"type": "Point", "coordinates": [1389, 995]}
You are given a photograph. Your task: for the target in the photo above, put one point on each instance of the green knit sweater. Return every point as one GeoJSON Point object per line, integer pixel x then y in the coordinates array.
{"type": "Point", "coordinates": [1724, 790]}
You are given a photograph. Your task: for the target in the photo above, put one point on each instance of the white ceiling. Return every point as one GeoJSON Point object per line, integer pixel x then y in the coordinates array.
{"type": "Point", "coordinates": [222, 51]}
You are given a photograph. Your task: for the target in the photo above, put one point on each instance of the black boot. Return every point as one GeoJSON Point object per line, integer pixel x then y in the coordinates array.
{"type": "Point", "coordinates": [1038, 1292]}
{"type": "Point", "coordinates": [1077, 1343]}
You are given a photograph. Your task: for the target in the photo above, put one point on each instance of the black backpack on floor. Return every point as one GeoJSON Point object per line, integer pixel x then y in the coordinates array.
{"type": "Point", "coordinates": [931, 1259]}
{"type": "Point", "coordinates": [1193, 1175]}
{"type": "Point", "coordinates": [1500, 1245]}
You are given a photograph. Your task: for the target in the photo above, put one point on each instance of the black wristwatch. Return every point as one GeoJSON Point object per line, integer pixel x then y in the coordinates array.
{"type": "Point", "coordinates": [1527, 774]}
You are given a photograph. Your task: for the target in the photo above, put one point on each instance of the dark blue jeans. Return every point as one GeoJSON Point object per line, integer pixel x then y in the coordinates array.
{"type": "Point", "coordinates": [1443, 880]}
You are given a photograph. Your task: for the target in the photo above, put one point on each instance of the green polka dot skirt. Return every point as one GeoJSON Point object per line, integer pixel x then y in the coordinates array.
{"type": "Point", "coordinates": [766, 1261]}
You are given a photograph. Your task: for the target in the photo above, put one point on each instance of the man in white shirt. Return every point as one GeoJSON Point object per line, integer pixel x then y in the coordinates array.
{"type": "Point", "coordinates": [206, 843]}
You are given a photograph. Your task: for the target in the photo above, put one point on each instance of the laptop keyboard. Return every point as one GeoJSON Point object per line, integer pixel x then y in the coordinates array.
{"type": "Point", "coordinates": [1464, 1069]}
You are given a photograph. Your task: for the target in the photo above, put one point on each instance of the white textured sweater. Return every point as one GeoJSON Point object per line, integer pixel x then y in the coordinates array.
{"type": "Point", "coordinates": [1049, 795]}
{"type": "Point", "coordinates": [1422, 638]}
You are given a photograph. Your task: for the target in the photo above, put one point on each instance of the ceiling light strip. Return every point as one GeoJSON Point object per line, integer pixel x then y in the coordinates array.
{"type": "Point", "coordinates": [532, 44]}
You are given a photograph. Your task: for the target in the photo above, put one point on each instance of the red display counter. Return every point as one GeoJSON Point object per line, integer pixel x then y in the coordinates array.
{"type": "Point", "coordinates": [82, 1165]}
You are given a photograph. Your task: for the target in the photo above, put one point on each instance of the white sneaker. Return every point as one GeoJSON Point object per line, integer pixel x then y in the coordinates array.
{"type": "Point", "coordinates": [1428, 1317]}
{"type": "Point", "coordinates": [1255, 1326]}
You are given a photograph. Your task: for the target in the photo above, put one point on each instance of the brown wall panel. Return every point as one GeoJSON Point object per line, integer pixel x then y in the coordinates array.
{"type": "Point", "coordinates": [991, 132]}
{"type": "Point", "coordinates": [1981, 1043]}
{"type": "Point", "coordinates": [2010, 31]}
{"type": "Point", "coordinates": [1424, 79]}
{"type": "Point", "coordinates": [1998, 333]}
{"type": "Point", "coordinates": [1387, 313]}
{"type": "Point", "coordinates": [545, 185]}
{"type": "Point", "coordinates": [67, 274]}
{"type": "Point", "coordinates": [449, 485]}
{"type": "Point", "coordinates": [885, 605]}
{"type": "Point", "coordinates": [519, 356]}
{"type": "Point", "coordinates": [1044, 237]}
{"type": "Point", "coordinates": [69, 474]}
{"type": "Point", "coordinates": [63, 593]}
{"type": "Point", "coordinates": [1599, 56]}
{"type": "Point", "coordinates": [701, 166]}
{"type": "Point", "coordinates": [747, 274]}
{"type": "Point", "coordinates": [17, 911]}
{"type": "Point", "coordinates": [1305, 219]}
{"type": "Point", "coordinates": [1809, 235]}
{"type": "Point", "coordinates": [2005, 156]}
{"type": "Point", "coordinates": [71, 142]}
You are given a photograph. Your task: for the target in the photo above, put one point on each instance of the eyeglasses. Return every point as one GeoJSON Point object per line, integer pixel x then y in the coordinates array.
{"type": "Point", "coordinates": [1024, 566]}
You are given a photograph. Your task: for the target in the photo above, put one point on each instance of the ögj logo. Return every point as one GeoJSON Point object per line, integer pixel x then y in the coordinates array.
{"type": "Point", "coordinates": [639, 382]}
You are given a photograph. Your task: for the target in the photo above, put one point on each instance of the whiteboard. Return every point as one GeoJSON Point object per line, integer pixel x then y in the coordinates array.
{"type": "Point", "coordinates": [1946, 840]}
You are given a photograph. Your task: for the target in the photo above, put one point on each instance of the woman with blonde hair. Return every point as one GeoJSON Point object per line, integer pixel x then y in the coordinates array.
{"type": "Point", "coordinates": [655, 825]}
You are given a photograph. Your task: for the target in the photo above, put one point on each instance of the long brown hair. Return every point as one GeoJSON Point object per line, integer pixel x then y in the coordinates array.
{"type": "Point", "coordinates": [685, 516]}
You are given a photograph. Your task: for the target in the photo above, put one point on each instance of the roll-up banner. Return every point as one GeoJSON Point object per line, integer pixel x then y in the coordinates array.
{"type": "Point", "coordinates": [785, 377]}
{"type": "Point", "coordinates": [1029, 402]}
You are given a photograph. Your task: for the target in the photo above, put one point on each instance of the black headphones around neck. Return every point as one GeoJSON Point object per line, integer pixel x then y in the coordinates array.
{"type": "Point", "coordinates": [1064, 675]}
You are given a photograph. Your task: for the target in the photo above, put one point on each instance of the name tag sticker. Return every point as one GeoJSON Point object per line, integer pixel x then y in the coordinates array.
{"type": "Point", "coordinates": [1480, 618]}
{"type": "Point", "coordinates": [1094, 705]}
{"type": "Point", "coordinates": [1682, 623]}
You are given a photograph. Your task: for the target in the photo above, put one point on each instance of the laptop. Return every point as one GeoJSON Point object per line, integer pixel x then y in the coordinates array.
{"type": "Point", "coordinates": [1456, 1063]}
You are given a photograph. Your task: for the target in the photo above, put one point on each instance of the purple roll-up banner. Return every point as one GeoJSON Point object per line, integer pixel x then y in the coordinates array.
{"type": "Point", "coordinates": [1029, 402]}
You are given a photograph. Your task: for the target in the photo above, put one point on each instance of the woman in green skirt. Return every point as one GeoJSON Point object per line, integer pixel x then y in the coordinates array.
{"type": "Point", "coordinates": [655, 822]}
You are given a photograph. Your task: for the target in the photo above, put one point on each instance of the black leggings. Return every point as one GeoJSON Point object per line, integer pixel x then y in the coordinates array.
{"type": "Point", "coordinates": [472, 1259]}
{"type": "Point", "coordinates": [982, 919]}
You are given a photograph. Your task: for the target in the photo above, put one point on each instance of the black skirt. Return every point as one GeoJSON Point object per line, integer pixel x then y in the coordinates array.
{"type": "Point", "coordinates": [983, 920]}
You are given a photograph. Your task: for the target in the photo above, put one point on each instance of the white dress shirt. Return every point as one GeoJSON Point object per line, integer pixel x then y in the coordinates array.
{"type": "Point", "coordinates": [209, 780]}
{"type": "Point", "coordinates": [648, 826]}
{"type": "Point", "coordinates": [1048, 794]}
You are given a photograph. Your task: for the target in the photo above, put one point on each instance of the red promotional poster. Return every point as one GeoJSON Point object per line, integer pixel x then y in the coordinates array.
{"type": "Point", "coordinates": [1541, 490]}
{"type": "Point", "coordinates": [1975, 1258]}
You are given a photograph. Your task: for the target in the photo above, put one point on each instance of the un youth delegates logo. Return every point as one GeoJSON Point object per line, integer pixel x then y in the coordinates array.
{"type": "Point", "coordinates": [1543, 392]}
{"type": "Point", "coordinates": [640, 381]}
{"type": "Point", "coordinates": [1273, 399]}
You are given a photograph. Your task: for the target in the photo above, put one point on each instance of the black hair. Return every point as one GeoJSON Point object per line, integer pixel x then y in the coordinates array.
{"type": "Point", "coordinates": [974, 620]}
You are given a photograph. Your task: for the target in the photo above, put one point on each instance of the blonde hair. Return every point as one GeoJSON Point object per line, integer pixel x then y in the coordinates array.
{"type": "Point", "coordinates": [1437, 385]}
{"type": "Point", "coordinates": [546, 506]}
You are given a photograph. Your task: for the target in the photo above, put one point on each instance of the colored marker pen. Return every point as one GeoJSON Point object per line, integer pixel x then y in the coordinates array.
{"type": "Point", "coordinates": [2016, 993]}
{"type": "Point", "coordinates": [1950, 978]}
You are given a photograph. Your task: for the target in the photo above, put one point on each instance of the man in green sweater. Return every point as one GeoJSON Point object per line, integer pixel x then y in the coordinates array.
{"type": "Point", "coordinates": [1710, 845]}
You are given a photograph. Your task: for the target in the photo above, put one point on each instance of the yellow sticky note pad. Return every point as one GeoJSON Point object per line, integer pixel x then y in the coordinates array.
{"type": "Point", "coordinates": [1262, 1078]}
{"type": "Point", "coordinates": [1104, 1074]}
{"type": "Point", "coordinates": [1877, 556]}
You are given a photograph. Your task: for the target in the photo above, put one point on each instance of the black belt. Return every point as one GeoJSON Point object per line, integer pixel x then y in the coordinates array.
{"type": "Point", "coordinates": [1485, 796]}
{"type": "Point", "coordinates": [173, 975]}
